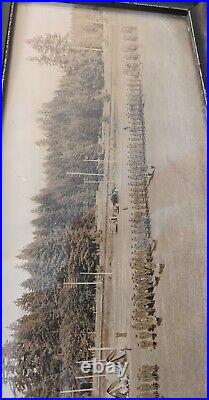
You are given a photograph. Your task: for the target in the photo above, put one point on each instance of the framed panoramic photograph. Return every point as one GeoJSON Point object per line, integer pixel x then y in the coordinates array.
{"type": "Point", "coordinates": [104, 192]}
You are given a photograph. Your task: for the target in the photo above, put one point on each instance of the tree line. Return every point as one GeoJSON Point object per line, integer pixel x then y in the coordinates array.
{"type": "Point", "coordinates": [57, 326]}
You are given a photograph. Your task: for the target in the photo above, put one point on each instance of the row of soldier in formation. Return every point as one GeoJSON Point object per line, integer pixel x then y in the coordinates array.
{"type": "Point", "coordinates": [148, 377]}
{"type": "Point", "coordinates": [144, 274]}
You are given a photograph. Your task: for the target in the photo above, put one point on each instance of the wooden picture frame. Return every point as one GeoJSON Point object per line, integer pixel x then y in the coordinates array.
{"type": "Point", "coordinates": [104, 164]}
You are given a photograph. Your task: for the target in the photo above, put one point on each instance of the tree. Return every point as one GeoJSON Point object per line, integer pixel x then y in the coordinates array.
{"type": "Point", "coordinates": [57, 326]}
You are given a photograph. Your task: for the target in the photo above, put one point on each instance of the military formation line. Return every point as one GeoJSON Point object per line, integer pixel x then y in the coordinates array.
{"type": "Point", "coordinates": [145, 274]}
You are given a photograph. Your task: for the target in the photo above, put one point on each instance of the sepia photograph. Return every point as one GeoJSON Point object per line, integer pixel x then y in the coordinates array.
{"type": "Point", "coordinates": [104, 201]}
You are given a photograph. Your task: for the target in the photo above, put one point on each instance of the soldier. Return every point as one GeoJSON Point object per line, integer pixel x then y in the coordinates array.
{"type": "Point", "coordinates": [150, 368]}
{"type": "Point", "coordinates": [144, 387]}
{"type": "Point", "coordinates": [143, 285]}
{"type": "Point", "coordinates": [139, 314]}
{"type": "Point", "coordinates": [146, 344]}
{"type": "Point", "coordinates": [146, 309]}
{"type": "Point", "coordinates": [139, 270]}
{"type": "Point", "coordinates": [145, 304]}
{"type": "Point", "coordinates": [143, 326]}
{"type": "Point", "coordinates": [141, 264]}
{"type": "Point", "coordinates": [147, 375]}
{"type": "Point", "coordinates": [147, 279]}
{"type": "Point", "coordinates": [157, 280]}
{"type": "Point", "coordinates": [161, 268]}
{"type": "Point", "coordinates": [159, 321]}
{"type": "Point", "coordinates": [149, 395]}
{"type": "Point", "coordinates": [145, 295]}
{"type": "Point", "coordinates": [154, 386]}
{"type": "Point", "coordinates": [144, 335]}
{"type": "Point", "coordinates": [143, 300]}
{"type": "Point", "coordinates": [142, 304]}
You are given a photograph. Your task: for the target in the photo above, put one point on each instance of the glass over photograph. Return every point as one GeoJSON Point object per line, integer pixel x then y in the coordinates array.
{"type": "Point", "coordinates": [104, 153]}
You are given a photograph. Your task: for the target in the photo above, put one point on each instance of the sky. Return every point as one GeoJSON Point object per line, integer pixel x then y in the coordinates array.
{"type": "Point", "coordinates": [29, 86]}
